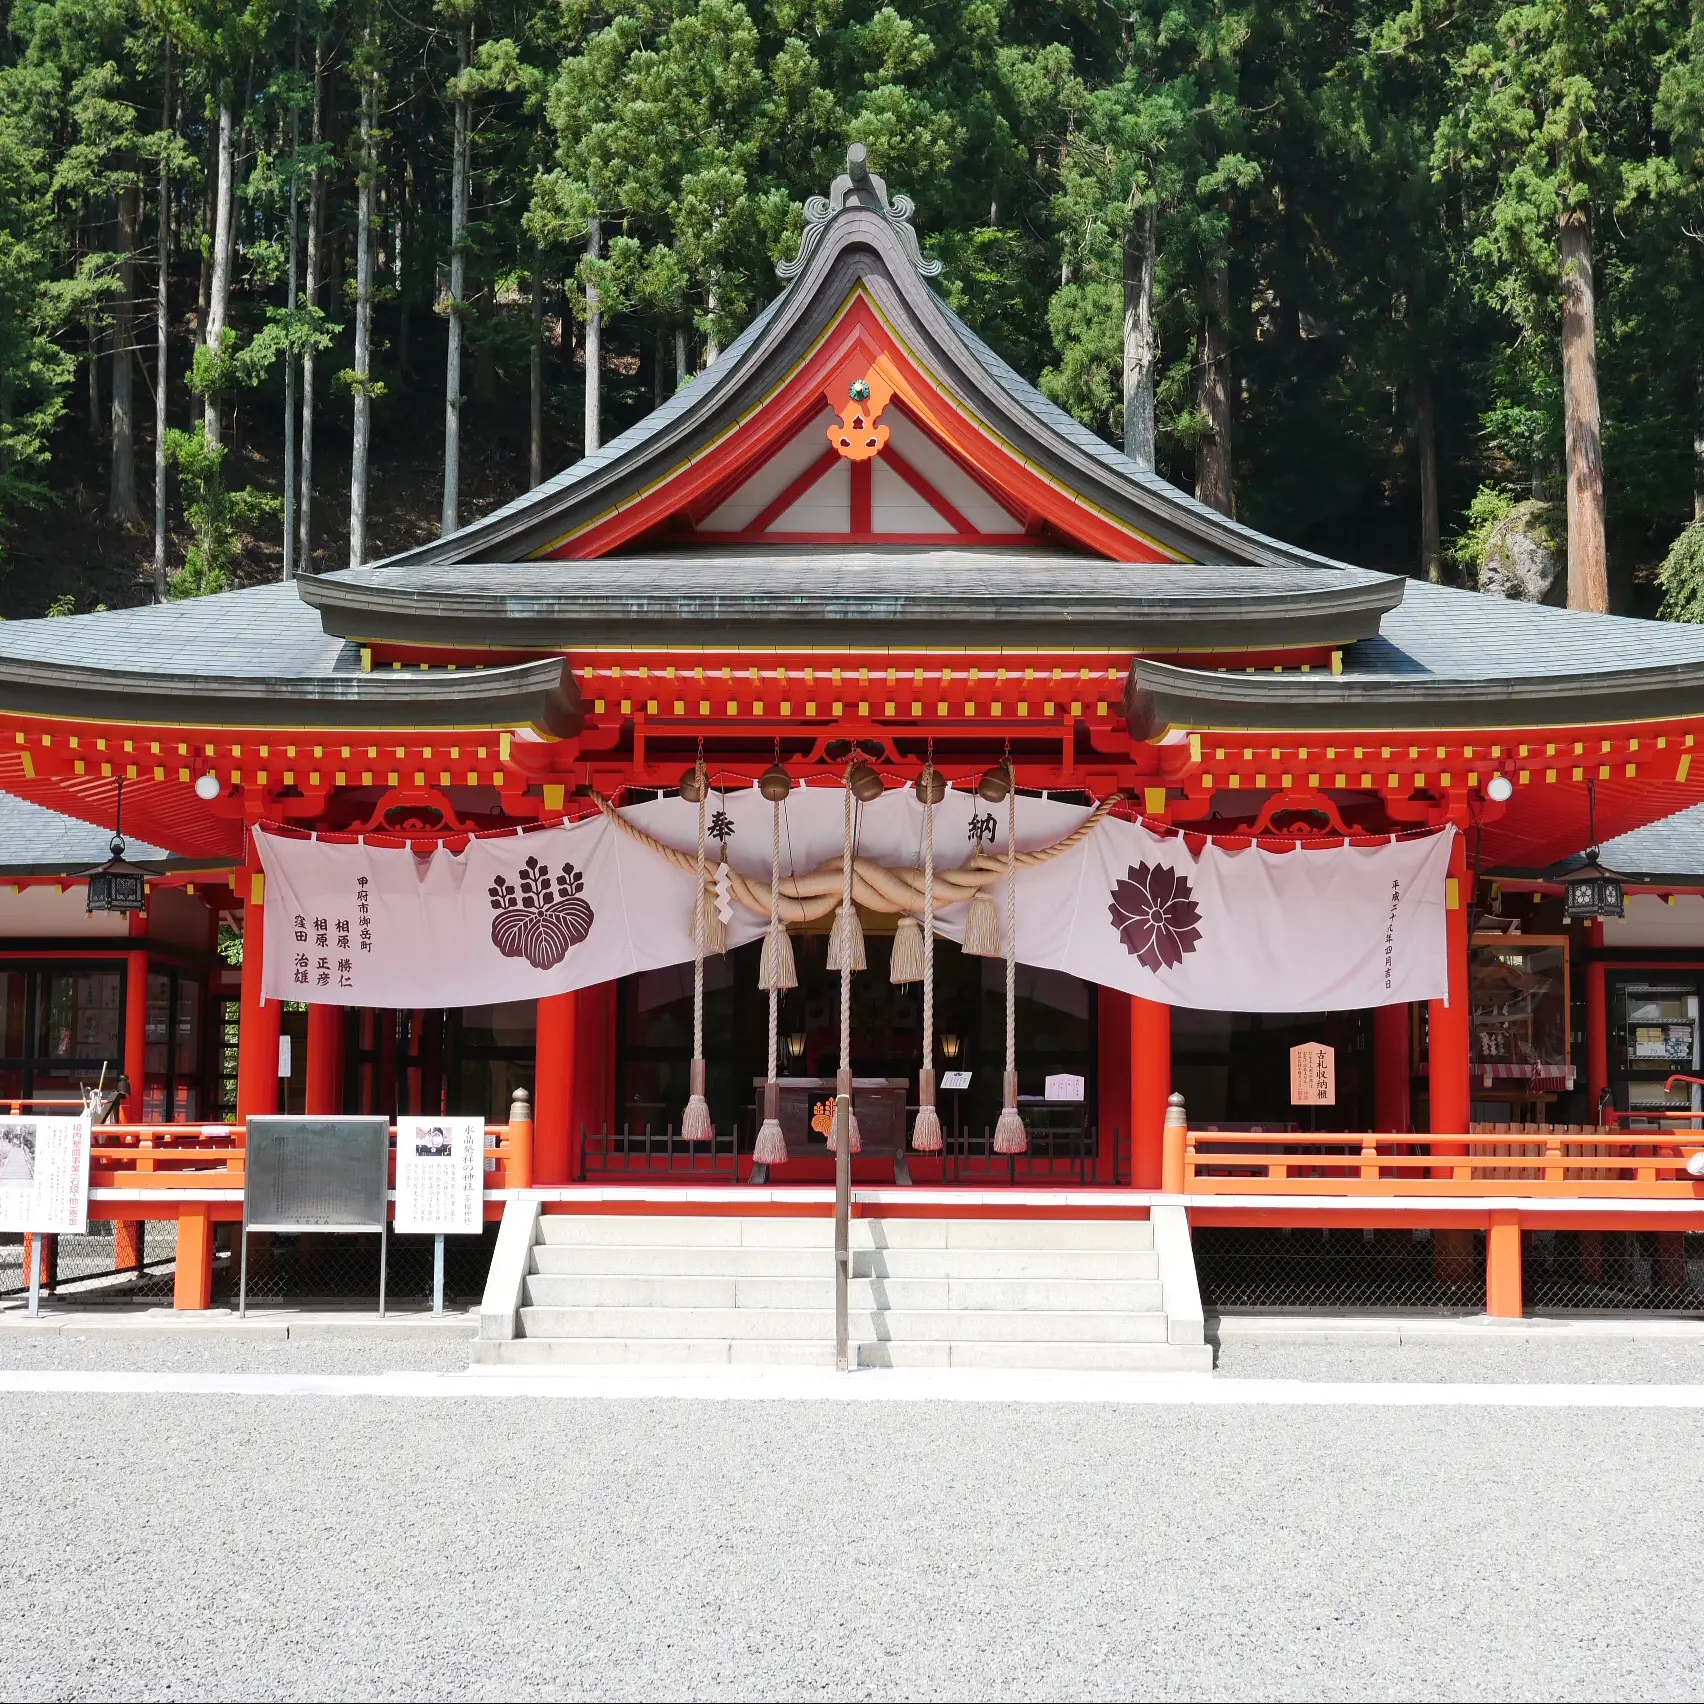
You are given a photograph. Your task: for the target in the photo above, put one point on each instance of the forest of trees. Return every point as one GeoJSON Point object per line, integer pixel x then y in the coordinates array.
{"type": "Point", "coordinates": [285, 284]}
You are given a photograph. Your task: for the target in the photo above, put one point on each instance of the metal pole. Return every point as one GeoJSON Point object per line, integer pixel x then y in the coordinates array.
{"type": "Point", "coordinates": [242, 1282]}
{"type": "Point", "coordinates": [842, 1218]}
{"type": "Point", "coordinates": [384, 1248]}
{"type": "Point", "coordinates": [438, 1276]}
{"type": "Point", "coordinates": [35, 1275]}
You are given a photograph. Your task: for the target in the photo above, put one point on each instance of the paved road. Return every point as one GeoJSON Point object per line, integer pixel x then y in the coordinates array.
{"type": "Point", "coordinates": [361, 1547]}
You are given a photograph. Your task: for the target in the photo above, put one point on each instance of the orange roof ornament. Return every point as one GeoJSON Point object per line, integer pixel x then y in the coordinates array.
{"type": "Point", "coordinates": [855, 433]}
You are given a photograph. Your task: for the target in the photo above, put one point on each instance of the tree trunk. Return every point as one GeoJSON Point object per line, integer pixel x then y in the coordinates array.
{"type": "Point", "coordinates": [310, 297]}
{"type": "Point", "coordinates": [1213, 394]}
{"type": "Point", "coordinates": [1588, 568]}
{"type": "Point", "coordinates": [458, 278]}
{"type": "Point", "coordinates": [92, 326]}
{"type": "Point", "coordinates": [162, 326]}
{"type": "Point", "coordinates": [405, 225]}
{"type": "Point", "coordinates": [680, 356]}
{"type": "Point", "coordinates": [1139, 343]}
{"type": "Point", "coordinates": [291, 303]}
{"type": "Point", "coordinates": [364, 250]}
{"type": "Point", "coordinates": [219, 292]}
{"type": "Point", "coordinates": [535, 391]}
{"type": "Point", "coordinates": [122, 504]}
{"type": "Point", "coordinates": [594, 344]}
{"type": "Point", "coordinates": [712, 302]}
{"type": "Point", "coordinates": [1698, 442]}
{"type": "Point", "coordinates": [1426, 432]}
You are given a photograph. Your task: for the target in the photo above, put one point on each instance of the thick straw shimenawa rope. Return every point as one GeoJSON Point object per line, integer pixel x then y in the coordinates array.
{"type": "Point", "coordinates": [877, 887]}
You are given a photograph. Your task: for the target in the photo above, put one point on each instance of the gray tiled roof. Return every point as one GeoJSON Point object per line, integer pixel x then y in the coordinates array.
{"type": "Point", "coordinates": [263, 632]}
{"type": "Point", "coordinates": [1455, 635]}
{"type": "Point", "coordinates": [36, 840]}
{"type": "Point", "coordinates": [1672, 847]}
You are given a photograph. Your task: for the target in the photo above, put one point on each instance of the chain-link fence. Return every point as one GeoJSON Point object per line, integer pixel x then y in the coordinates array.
{"type": "Point", "coordinates": [340, 1269]}
{"type": "Point", "coordinates": [322, 1269]}
{"type": "Point", "coordinates": [86, 1266]}
{"type": "Point", "coordinates": [1613, 1271]}
{"type": "Point", "coordinates": [1270, 1267]}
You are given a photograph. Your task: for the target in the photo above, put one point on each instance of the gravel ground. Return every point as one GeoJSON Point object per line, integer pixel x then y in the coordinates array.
{"type": "Point", "coordinates": [356, 1547]}
{"type": "Point", "coordinates": [1511, 1360]}
{"type": "Point", "coordinates": [116, 1352]}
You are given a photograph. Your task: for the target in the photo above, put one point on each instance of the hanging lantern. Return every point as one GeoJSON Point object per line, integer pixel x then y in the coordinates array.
{"type": "Point", "coordinates": [117, 885]}
{"type": "Point", "coordinates": [1594, 893]}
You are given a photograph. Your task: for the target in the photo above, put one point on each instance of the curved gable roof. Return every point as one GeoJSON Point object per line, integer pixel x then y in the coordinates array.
{"type": "Point", "coordinates": [861, 256]}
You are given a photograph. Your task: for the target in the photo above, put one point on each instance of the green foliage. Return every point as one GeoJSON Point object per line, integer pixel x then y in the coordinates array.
{"type": "Point", "coordinates": [1682, 576]}
{"type": "Point", "coordinates": [1489, 505]}
{"type": "Point", "coordinates": [1380, 181]}
{"type": "Point", "coordinates": [216, 515]}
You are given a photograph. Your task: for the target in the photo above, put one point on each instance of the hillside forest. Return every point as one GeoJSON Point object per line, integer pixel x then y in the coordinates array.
{"type": "Point", "coordinates": [286, 285]}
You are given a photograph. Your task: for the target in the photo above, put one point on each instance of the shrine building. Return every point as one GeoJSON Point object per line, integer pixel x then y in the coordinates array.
{"type": "Point", "coordinates": [859, 537]}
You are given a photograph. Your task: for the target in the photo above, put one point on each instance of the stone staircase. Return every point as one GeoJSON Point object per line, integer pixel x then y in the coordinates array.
{"type": "Point", "coordinates": [939, 1292]}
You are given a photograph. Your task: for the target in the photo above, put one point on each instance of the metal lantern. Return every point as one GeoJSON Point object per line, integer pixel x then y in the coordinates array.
{"type": "Point", "coordinates": [1593, 894]}
{"type": "Point", "coordinates": [117, 885]}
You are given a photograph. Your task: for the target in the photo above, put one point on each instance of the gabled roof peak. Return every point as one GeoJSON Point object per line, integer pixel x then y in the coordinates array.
{"type": "Point", "coordinates": [858, 187]}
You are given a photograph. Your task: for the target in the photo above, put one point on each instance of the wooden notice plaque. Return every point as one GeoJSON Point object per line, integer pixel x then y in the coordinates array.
{"type": "Point", "coordinates": [1313, 1075]}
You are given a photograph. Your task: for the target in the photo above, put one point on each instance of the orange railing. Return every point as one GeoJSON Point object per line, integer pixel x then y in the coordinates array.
{"type": "Point", "coordinates": [212, 1157]}
{"type": "Point", "coordinates": [1516, 1161]}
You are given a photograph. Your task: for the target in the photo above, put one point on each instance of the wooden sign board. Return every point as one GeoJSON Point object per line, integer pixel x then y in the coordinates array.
{"type": "Point", "coordinates": [1313, 1075]}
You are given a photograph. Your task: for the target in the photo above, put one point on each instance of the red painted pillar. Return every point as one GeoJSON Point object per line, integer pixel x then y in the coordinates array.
{"type": "Point", "coordinates": [1150, 1087]}
{"type": "Point", "coordinates": [192, 1288]}
{"type": "Point", "coordinates": [1597, 1027]}
{"type": "Point", "coordinates": [553, 1088]}
{"type": "Point", "coordinates": [325, 1061]}
{"type": "Point", "coordinates": [1504, 1297]}
{"type": "Point", "coordinates": [136, 1035]}
{"type": "Point", "coordinates": [262, 1022]}
{"type": "Point", "coordinates": [1450, 1022]}
{"type": "Point", "coordinates": [1391, 1110]}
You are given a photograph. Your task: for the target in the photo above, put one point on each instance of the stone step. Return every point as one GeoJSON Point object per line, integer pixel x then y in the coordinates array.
{"type": "Point", "coordinates": [663, 1260]}
{"type": "Point", "coordinates": [1160, 1359]}
{"type": "Point", "coordinates": [658, 1260]}
{"type": "Point", "coordinates": [919, 1324]}
{"type": "Point", "coordinates": [817, 1231]}
{"type": "Point", "coordinates": [699, 1290]}
{"type": "Point", "coordinates": [1004, 1263]}
{"type": "Point", "coordinates": [655, 1351]}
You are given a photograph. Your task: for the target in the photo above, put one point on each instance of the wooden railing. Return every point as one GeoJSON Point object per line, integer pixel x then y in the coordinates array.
{"type": "Point", "coordinates": [1514, 1161]}
{"type": "Point", "coordinates": [212, 1156]}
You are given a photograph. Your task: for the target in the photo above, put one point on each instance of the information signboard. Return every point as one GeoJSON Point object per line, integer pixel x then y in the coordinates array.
{"type": "Point", "coordinates": [317, 1174]}
{"type": "Point", "coordinates": [44, 1175]}
{"type": "Point", "coordinates": [440, 1176]}
{"type": "Point", "coordinates": [1313, 1075]}
{"type": "Point", "coordinates": [1063, 1087]}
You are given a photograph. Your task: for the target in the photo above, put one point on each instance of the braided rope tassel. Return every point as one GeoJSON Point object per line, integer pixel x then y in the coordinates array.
{"type": "Point", "coordinates": [926, 1132]}
{"type": "Point", "coordinates": [848, 915]}
{"type": "Point", "coordinates": [1010, 1137]}
{"type": "Point", "coordinates": [695, 1121]}
{"type": "Point", "coordinates": [771, 1147]}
